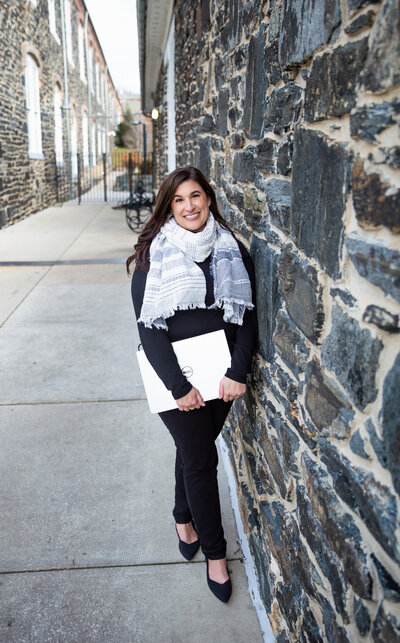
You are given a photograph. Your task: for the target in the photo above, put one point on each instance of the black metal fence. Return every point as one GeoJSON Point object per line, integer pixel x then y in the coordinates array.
{"type": "Point", "coordinates": [108, 178]}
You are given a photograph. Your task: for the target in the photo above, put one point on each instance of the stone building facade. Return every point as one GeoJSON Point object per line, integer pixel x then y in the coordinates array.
{"type": "Point", "coordinates": [292, 109]}
{"type": "Point", "coordinates": [76, 95]}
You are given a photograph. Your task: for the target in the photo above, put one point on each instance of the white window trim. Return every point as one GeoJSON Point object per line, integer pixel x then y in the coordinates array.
{"type": "Point", "coordinates": [52, 21]}
{"type": "Point", "coordinates": [91, 69]}
{"type": "Point", "coordinates": [68, 30]}
{"type": "Point", "coordinates": [32, 94]}
{"type": "Point", "coordinates": [81, 49]}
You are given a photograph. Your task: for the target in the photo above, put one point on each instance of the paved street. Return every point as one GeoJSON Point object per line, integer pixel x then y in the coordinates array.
{"type": "Point", "coordinates": [88, 547]}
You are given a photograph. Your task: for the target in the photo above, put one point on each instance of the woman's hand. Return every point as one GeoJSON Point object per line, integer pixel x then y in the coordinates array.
{"type": "Point", "coordinates": [230, 390]}
{"type": "Point", "coordinates": [190, 401]}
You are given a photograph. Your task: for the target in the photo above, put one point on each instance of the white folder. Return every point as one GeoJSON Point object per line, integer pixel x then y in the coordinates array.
{"type": "Point", "coordinates": [203, 359]}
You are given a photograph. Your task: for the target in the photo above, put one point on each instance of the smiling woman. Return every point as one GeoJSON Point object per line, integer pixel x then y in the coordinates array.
{"type": "Point", "coordinates": [193, 277]}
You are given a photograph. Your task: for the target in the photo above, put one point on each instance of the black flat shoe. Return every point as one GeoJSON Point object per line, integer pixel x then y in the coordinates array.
{"type": "Point", "coordinates": [222, 591]}
{"type": "Point", "coordinates": [188, 550]}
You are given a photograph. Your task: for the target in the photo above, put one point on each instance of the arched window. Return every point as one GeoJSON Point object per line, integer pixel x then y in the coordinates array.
{"type": "Point", "coordinates": [33, 107]}
{"type": "Point", "coordinates": [58, 126]}
{"type": "Point", "coordinates": [85, 139]}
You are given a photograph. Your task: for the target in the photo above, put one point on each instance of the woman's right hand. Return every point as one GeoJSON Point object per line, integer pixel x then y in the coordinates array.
{"type": "Point", "coordinates": [190, 401]}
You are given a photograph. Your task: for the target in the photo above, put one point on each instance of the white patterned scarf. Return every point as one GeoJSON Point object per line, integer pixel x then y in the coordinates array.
{"type": "Point", "coordinates": [176, 282]}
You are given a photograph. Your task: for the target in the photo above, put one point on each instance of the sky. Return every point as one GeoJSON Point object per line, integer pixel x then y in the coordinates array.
{"type": "Point", "coordinates": [116, 28]}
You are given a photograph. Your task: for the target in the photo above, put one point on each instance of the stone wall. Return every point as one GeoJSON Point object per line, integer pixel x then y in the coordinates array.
{"type": "Point", "coordinates": [26, 184]}
{"type": "Point", "coordinates": [292, 109]}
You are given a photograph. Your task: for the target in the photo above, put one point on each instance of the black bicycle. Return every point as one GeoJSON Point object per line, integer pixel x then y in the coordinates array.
{"type": "Point", "coordinates": [139, 207]}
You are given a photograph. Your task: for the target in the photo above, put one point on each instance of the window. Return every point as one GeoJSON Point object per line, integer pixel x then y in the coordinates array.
{"type": "Point", "coordinates": [85, 139]}
{"type": "Point", "coordinates": [99, 148]}
{"type": "Point", "coordinates": [74, 143]}
{"type": "Point", "coordinates": [94, 158]}
{"type": "Point", "coordinates": [33, 107]}
{"type": "Point", "coordinates": [91, 69]}
{"type": "Point", "coordinates": [34, 2]}
{"type": "Point", "coordinates": [58, 132]}
{"type": "Point", "coordinates": [81, 47]}
{"type": "Point", "coordinates": [52, 20]}
{"type": "Point", "coordinates": [97, 82]}
{"type": "Point", "coordinates": [68, 30]}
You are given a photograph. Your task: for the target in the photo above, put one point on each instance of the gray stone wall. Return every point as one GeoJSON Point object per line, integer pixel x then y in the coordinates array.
{"type": "Point", "coordinates": [28, 185]}
{"type": "Point", "coordinates": [292, 109]}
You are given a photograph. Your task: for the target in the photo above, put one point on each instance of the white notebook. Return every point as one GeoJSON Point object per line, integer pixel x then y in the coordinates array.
{"type": "Point", "coordinates": [203, 359]}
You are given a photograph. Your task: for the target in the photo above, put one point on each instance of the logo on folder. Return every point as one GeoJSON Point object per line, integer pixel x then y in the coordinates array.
{"type": "Point", "coordinates": [187, 371]}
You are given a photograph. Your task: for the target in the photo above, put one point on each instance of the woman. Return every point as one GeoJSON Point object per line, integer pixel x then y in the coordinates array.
{"type": "Point", "coordinates": [192, 277]}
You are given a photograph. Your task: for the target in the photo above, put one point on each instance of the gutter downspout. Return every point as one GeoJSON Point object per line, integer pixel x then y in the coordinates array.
{"type": "Point", "coordinates": [66, 106]}
{"type": "Point", "coordinates": [89, 86]}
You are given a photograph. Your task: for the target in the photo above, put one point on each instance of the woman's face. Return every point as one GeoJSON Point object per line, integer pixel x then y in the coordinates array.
{"type": "Point", "coordinates": [190, 205]}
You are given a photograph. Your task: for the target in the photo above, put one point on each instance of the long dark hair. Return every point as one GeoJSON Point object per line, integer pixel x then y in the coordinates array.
{"type": "Point", "coordinates": [162, 211]}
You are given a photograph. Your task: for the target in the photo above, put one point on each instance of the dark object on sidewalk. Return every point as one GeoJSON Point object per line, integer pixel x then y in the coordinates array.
{"type": "Point", "coordinates": [222, 591]}
{"type": "Point", "coordinates": [139, 207]}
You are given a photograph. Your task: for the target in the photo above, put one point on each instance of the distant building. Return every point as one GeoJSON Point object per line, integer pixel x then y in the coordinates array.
{"type": "Point", "coordinates": [292, 109]}
{"type": "Point", "coordinates": [59, 103]}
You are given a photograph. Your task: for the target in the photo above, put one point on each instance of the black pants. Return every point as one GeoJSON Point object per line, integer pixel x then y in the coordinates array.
{"type": "Point", "coordinates": [196, 485]}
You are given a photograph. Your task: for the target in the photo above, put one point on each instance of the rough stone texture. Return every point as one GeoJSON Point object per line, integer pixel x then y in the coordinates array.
{"type": "Point", "coordinates": [357, 444]}
{"type": "Point", "coordinates": [376, 202]}
{"type": "Point", "coordinates": [283, 108]}
{"type": "Point", "coordinates": [376, 262]}
{"type": "Point", "coordinates": [368, 121]}
{"type": "Point", "coordinates": [290, 343]}
{"type": "Point", "coordinates": [339, 528]}
{"type": "Point", "coordinates": [391, 589]}
{"type": "Point", "coordinates": [267, 298]}
{"type": "Point", "coordinates": [273, 93]}
{"type": "Point", "coordinates": [254, 101]}
{"type": "Point", "coordinates": [278, 197]}
{"type": "Point", "coordinates": [385, 628]}
{"type": "Point", "coordinates": [319, 192]}
{"type": "Point", "coordinates": [302, 293]}
{"type": "Point", "coordinates": [330, 412]}
{"type": "Point", "coordinates": [371, 500]}
{"type": "Point", "coordinates": [381, 318]}
{"type": "Point", "coordinates": [390, 416]}
{"type": "Point", "coordinates": [352, 354]}
{"type": "Point", "coordinates": [331, 85]}
{"type": "Point", "coordinates": [362, 617]}
{"type": "Point", "coordinates": [382, 68]}
{"type": "Point", "coordinates": [364, 20]}
{"type": "Point", "coordinates": [306, 25]}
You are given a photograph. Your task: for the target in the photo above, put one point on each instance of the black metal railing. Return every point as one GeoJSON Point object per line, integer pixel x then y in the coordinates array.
{"type": "Point", "coordinates": [111, 177]}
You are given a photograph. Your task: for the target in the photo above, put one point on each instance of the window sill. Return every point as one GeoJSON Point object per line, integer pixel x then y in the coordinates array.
{"type": "Point", "coordinates": [39, 156]}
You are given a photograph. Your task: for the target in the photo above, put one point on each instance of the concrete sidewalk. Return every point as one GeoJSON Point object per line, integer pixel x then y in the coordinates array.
{"type": "Point", "coordinates": [88, 547]}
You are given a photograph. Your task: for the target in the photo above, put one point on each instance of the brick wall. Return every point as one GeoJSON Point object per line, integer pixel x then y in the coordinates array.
{"type": "Point", "coordinates": [28, 185]}
{"type": "Point", "coordinates": [292, 109]}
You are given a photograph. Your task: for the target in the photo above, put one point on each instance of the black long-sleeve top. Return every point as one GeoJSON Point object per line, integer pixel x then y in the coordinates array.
{"type": "Point", "coordinates": [183, 324]}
